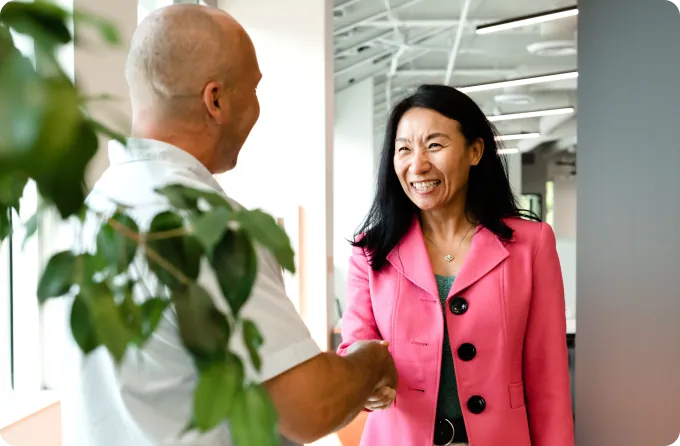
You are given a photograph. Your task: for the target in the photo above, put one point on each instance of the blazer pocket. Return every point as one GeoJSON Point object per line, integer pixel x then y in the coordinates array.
{"type": "Point", "coordinates": [517, 395]}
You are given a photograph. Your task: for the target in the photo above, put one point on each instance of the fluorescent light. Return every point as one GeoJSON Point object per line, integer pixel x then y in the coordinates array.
{"type": "Point", "coordinates": [510, 151]}
{"type": "Point", "coordinates": [515, 137]}
{"type": "Point", "coordinates": [531, 114]}
{"type": "Point", "coordinates": [528, 20]}
{"type": "Point", "coordinates": [519, 82]}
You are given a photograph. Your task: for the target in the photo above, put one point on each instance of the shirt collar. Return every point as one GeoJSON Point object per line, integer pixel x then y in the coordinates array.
{"type": "Point", "coordinates": [138, 149]}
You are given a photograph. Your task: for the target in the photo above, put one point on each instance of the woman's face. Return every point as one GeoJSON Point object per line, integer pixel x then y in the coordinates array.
{"type": "Point", "coordinates": [432, 159]}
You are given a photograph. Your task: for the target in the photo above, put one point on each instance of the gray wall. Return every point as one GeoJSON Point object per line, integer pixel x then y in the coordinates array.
{"type": "Point", "coordinates": [628, 312]}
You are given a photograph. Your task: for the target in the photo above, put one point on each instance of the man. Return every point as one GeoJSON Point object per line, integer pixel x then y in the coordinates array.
{"type": "Point", "coordinates": [193, 74]}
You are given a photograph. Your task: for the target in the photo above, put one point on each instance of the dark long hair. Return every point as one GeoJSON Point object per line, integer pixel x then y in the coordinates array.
{"type": "Point", "coordinates": [489, 197]}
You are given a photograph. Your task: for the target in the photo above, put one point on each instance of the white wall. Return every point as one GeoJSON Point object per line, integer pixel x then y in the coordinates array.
{"type": "Point", "coordinates": [353, 171]}
{"type": "Point", "coordinates": [286, 166]}
{"type": "Point", "coordinates": [514, 162]}
{"type": "Point", "coordinates": [564, 225]}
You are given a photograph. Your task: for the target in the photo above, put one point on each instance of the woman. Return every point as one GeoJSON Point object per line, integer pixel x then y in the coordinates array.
{"type": "Point", "coordinates": [466, 291]}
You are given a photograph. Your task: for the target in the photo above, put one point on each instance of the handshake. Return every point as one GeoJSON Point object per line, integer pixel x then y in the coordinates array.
{"type": "Point", "coordinates": [385, 390]}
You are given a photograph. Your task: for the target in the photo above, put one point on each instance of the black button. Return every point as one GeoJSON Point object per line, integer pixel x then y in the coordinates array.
{"type": "Point", "coordinates": [458, 305]}
{"type": "Point", "coordinates": [476, 404]}
{"type": "Point", "coordinates": [467, 352]}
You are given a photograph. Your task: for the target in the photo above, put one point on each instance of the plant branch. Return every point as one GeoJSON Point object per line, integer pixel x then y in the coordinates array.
{"type": "Point", "coordinates": [162, 235]}
{"type": "Point", "coordinates": [150, 252]}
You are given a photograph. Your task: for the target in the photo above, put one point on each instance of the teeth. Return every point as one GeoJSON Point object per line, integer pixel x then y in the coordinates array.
{"type": "Point", "coordinates": [424, 186]}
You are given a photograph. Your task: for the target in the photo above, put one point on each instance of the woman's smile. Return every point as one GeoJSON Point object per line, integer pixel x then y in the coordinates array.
{"type": "Point", "coordinates": [425, 187]}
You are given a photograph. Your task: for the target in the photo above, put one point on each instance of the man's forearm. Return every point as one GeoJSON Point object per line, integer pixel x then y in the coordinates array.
{"type": "Point", "coordinates": [330, 391]}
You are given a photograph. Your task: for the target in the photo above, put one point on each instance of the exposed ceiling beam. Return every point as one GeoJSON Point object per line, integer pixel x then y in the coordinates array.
{"type": "Point", "coordinates": [369, 60]}
{"type": "Point", "coordinates": [373, 17]}
{"type": "Point", "coordinates": [459, 72]}
{"type": "Point", "coordinates": [362, 62]}
{"type": "Point", "coordinates": [352, 49]}
{"type": "Point", "coordinates": [435, 23]}
{"type": "Point", "coordinates": [456, 42]}
{"type": "Point", "coordinates": [436, 48]}
{"type": "Point", "coordinates": [346, 4]}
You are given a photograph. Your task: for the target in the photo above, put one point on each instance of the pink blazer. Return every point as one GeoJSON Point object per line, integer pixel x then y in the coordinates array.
{"type": "Point", "coordinates": [508, 301]}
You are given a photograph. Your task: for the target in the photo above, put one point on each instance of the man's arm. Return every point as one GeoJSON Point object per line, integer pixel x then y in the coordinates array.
{"type": "Point", "coordinates": [322, 395]}
{"type": "Point", "coordinates": [314, 393]}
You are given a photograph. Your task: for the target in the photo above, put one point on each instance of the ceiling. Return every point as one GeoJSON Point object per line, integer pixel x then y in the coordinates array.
{"type": "Point", "coordinates": [404, 43]}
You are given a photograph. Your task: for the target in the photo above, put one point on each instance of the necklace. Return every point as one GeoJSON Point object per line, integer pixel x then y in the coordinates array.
{"type": "Point", "coordinates": [448, 257]}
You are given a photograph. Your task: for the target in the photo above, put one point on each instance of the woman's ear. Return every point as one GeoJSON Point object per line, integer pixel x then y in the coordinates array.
{"type": "Point", "coordinates": [475, 151]}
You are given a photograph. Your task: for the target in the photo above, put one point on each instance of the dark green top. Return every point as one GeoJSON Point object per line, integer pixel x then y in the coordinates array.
{"type": "Point", "coordinates": [448, 402]}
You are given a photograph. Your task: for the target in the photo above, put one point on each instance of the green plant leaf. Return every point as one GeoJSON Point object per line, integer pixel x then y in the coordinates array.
{"type": "Point", "coordinates": [107, 30]}
{"type": "Point", "coordinates": [184, 197]}
{"type": "Point", "coordinates": [183, 252]}
{"type": "Point", "coordinates": [12, 187]}
{"type": "Point", "coordinates": [58, 277]}
{"type": "Point", "coordinates": [263, 228]}
{"type": "Point", "coordinates": [44, 21]}
{"type": "Point", "coordinates": [65, 186]}
{"type": "Point", "coordinates": [253, 339]}
{"type": "Point", "coordinates": [5, 224]}
{"type": "Point", "coordinates": [216, 392]}
{"type": "Point", "coordinates": [81, 326]}
{"type": "Point", "coordinates": [117, 248]}
{"type": "Point", "coordinates": [209, 227]}
{"type": "Point", "coordinates": [108, 322]}
{"type": "Point", "coordinates": [23, 97]}
{"type": "Point", "coordinates": [205, 331]}
{"type": "Point", "coordinates": [130, 313]}
{"type": "Point", "coordinates": [31, 225]}
{"type": "Point", "coordinates": [152, 312]}
{"type": "Point", "coordinates": [235, 264]}
{"type": "Point", "coordinates": [254, 419]}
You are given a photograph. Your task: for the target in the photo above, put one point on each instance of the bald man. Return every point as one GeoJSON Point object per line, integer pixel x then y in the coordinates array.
{"type": "Point", "coordinates": [193, 74]}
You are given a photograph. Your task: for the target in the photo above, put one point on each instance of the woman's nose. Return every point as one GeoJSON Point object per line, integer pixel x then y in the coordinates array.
{"type": "Point", "coordinates": [420, 164]}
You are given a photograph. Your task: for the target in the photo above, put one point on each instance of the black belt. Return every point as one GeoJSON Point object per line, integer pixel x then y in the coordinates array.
{"type": "Point", "coordinates": [449, 431]}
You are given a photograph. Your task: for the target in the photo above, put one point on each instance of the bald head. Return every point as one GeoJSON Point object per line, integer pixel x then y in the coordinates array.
{"type": "Point", "coordinates": [179, 49]}
{"type": "Point", "coordinates": [193, 75]}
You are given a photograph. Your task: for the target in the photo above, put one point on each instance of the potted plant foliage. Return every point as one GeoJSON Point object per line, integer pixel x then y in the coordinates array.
{"type": "Point", "coordinates": [47, 136]}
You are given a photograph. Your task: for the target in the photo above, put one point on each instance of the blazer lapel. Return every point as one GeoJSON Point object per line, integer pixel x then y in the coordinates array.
{"type": "Point", "coordinates": [410, 258]}
{"type": "Point", "coordinates": [486, 252]}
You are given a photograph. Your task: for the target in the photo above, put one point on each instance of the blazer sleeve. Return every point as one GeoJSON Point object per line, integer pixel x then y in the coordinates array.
{"type": "Point", "coordinates": [545, 361]}
{"type": "Point", "coordinates": [358, 321]}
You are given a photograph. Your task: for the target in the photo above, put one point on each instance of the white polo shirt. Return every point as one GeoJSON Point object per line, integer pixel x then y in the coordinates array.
{"type": "Point", "coordinates": [148, 400]}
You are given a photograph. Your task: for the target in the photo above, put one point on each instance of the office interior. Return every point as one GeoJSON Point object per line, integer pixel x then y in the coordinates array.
{"type": "Point", "coordinates": [585, 97]}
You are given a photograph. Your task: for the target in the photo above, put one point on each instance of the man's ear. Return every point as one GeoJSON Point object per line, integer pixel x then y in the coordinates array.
{"type": "Point", "coordinates": [476, 150]}
{"type": "Point", "coordinates": [214, 101]}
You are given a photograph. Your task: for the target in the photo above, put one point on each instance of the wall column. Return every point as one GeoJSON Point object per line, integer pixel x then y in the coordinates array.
{"type": "Point", "coordinates": [353, 172]}
{"type": "Point", "coordinates": [628, 220]}
{"type": "Point", "coordinates": [286, 166]}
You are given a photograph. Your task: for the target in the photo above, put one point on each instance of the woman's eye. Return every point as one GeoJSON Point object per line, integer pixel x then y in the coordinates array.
{"type": "Point", "coordinates": [434, 145]}
{"type": "Point", "coordinates": [402, 148]}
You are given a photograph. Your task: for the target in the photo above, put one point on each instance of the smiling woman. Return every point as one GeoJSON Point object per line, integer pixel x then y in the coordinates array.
{"type": "Point", "coordinates": [445, 242]}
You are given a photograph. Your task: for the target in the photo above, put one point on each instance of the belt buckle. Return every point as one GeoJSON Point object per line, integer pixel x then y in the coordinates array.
{"type": "Point", "coordinates": [453, 432]}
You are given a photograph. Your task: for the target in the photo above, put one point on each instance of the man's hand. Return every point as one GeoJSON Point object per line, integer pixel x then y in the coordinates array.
{"type": "Point", "coordinates": [386, 389]}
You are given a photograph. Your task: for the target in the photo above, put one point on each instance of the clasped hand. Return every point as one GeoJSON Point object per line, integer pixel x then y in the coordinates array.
{"type": "Point", "coordinates": [385, 392]}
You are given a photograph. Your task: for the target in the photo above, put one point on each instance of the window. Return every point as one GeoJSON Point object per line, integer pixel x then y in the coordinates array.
{"type": "Point", "coordinates": [19, 311]}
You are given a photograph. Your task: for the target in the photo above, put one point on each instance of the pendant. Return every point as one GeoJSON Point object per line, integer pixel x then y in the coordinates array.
{"type": "Point", "coordinates": [448, 258]}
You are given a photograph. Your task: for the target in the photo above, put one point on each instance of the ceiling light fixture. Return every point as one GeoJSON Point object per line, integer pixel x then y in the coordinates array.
{"type": "Point", "coordinates": [510, 151]}
{"type": "Point", "coordinates": [531, 114]}
{"type": "Point", "coordinates": [520, 82]}
{"type": "Point", "coordinates": [517, 136]}
{"type": "Point", "coordinates": [528, 20]}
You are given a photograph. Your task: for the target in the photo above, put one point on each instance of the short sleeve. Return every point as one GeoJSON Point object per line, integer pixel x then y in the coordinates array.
{"type": "Point", "coordinates": [287, 340]}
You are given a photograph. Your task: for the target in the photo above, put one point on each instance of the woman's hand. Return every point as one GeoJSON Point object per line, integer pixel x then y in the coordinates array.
{"type": "Point", "coordinates": [382, 399]}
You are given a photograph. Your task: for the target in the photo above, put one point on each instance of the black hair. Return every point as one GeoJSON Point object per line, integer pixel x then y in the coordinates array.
{"type": "Point", "coordinates": [489, 199]}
